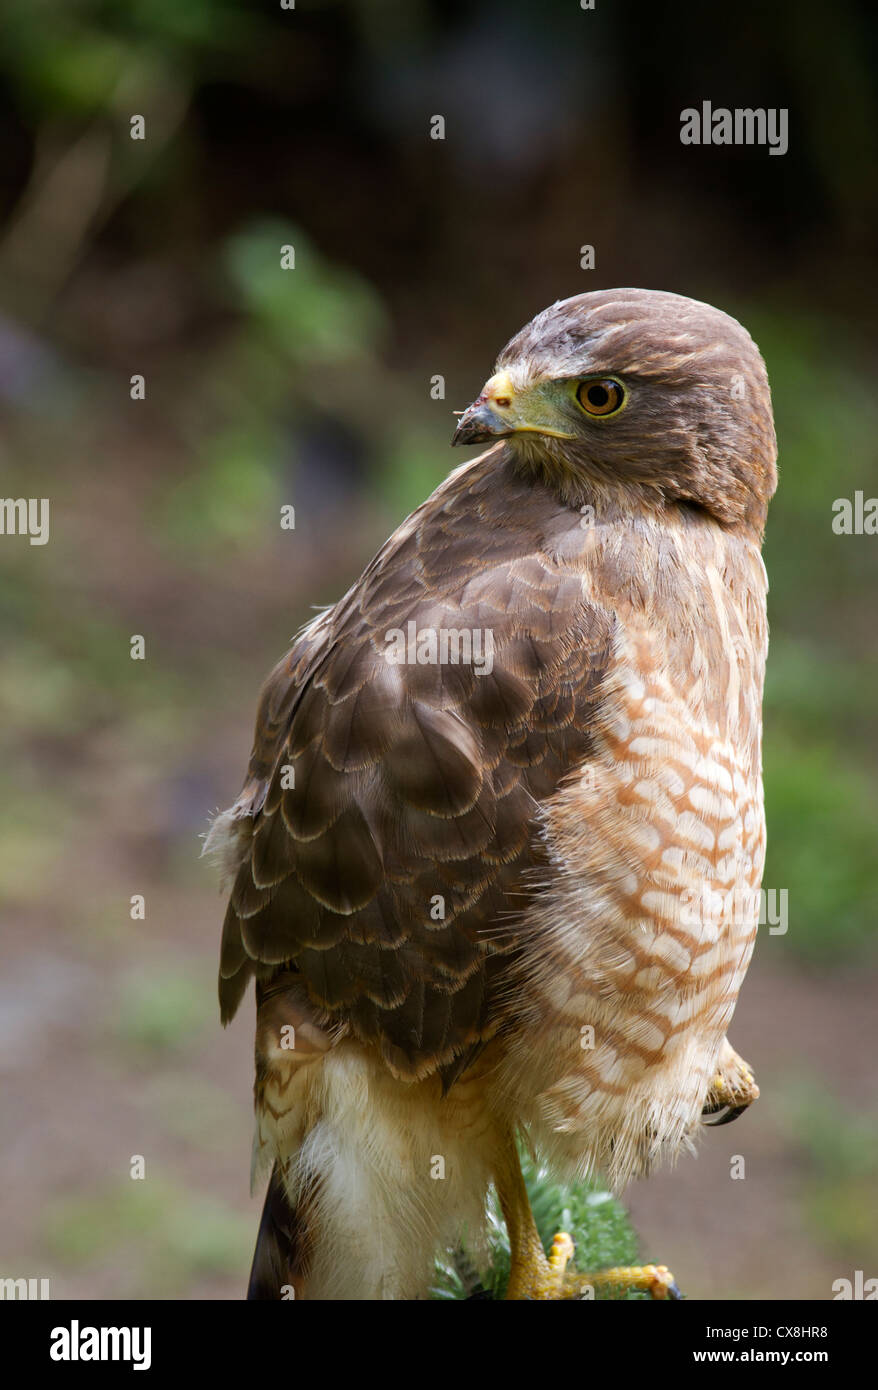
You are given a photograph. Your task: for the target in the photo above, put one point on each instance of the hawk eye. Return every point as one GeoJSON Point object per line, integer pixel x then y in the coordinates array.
{"type": "Point", "coordinates": [600, 397]}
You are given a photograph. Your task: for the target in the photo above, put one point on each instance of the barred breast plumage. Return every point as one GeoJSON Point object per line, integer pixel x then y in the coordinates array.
{"type": "Point", "coordinates": [644, 924]}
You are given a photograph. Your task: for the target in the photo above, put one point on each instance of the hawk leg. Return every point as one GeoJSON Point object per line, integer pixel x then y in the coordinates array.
{"type": "Point", "coordinates": [535, 1275]}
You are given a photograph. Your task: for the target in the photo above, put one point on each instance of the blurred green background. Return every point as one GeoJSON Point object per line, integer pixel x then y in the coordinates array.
{"type": "Point", "coordinates": [414, 258]}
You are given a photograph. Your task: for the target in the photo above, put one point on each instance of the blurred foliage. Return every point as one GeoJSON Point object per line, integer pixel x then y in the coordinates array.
{"type": "Point", "coordinates": [228, 497]}
{"type": "Point", "coordinates": [841, 1147]}
{"type": "Point", "coordinates": [161, 1011]}
{"type": "Point", "coordinates": [821, 717]}
{"type": "Point", "coordinates": [821, 813]}
{"type": "Point", "coordinates": [324, 314]}
{"type": "Point", "coordinates": [162, 1236]}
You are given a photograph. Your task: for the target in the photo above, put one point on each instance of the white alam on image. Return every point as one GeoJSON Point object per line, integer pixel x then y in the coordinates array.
{"type": "Point", "coordinates": [430, 646]}
{"type": "Point", "coordinates": [857, 517]}
{"type": "Point", "coordinates": [26, 1288]}
{"type": "Point", "coordinates": [740, 126]}
{"type": "Point", "coordinates": [25, 516]}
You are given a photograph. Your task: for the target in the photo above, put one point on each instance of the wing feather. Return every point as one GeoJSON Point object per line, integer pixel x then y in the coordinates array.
{"type": "Point", "coordinates": [387, 823]}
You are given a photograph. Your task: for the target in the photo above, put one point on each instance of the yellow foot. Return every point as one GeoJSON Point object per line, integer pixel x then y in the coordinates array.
{"type": "Point", "coordinates": [733, 1088]}
{"type": "Point", "coordinates": [534, 1276]}
{"type": "Point", "coordinates": [550, 1279]}
{"type": "Point", "coordinates": [656, 1280]}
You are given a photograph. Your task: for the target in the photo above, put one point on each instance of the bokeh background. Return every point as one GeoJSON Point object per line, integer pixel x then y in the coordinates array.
{"type": "Point", "coordinates": [311, 387]}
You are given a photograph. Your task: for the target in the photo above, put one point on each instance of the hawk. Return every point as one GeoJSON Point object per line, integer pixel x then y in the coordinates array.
{"type": "Point", "coordinates": [496, 862]}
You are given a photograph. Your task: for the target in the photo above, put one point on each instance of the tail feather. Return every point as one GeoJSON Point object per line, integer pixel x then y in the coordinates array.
{"type": "Point", "coordinates": [281, 1247]}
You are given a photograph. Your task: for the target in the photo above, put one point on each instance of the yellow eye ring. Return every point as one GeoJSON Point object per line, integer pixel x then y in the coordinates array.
{"type": "Point", "coordinates": [600, 395]}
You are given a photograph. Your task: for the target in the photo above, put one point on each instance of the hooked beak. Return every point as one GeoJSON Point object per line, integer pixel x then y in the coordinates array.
{"type": "Point", "coordinates": [479, 424]}
{"type": "Point", "coordinates": [499, 413]}
{"type": "Point", "coordinates": [489, 417]}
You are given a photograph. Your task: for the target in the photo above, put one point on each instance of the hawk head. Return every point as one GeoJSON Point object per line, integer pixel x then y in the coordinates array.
{"type": "Point", "coordinates": [635, 389]}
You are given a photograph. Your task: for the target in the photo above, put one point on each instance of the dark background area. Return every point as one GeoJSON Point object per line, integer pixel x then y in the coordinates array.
{"type": "Point", "coordinates": [311, 387]}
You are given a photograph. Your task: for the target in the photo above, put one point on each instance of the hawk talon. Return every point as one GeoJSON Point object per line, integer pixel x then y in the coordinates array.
{"type": "Point", "coordinates": [731, 1113]}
